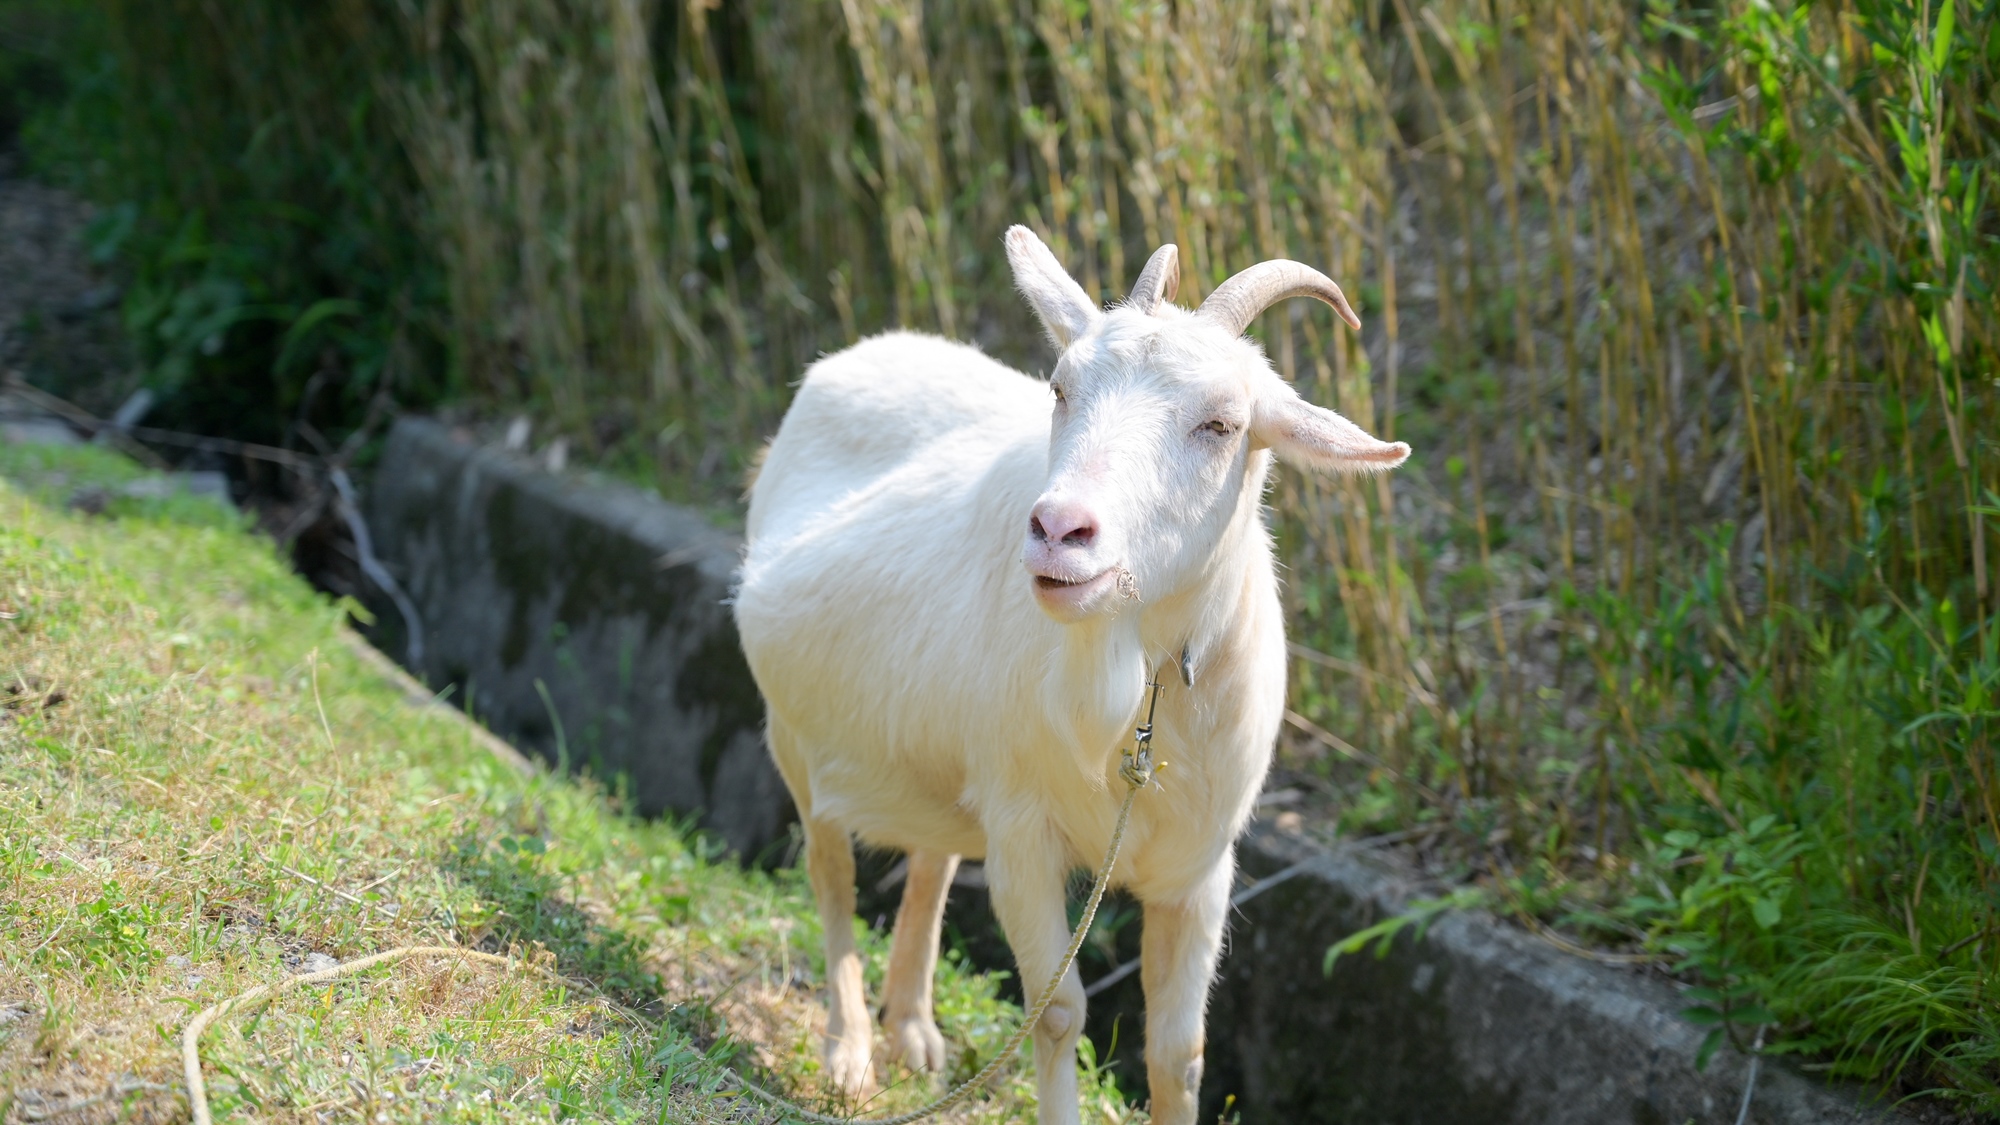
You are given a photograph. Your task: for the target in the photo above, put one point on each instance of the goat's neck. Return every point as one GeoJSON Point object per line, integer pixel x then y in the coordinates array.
{"type": "Point", "coordinates": [1196, 617]}
{"type": "Point", "coordinates": [1095, 685]}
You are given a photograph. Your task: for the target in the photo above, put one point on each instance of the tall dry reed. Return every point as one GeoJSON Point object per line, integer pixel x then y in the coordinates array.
{"type": "Point", "coordinates": [1688, 313]}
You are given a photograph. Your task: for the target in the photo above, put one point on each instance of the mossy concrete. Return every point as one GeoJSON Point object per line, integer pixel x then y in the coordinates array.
{"type": "Point", "coordinates": [613, 600]}
{"type": "Point", "coordinates": [583, 620]}
{"type": "Point", "coordinates": [1479, 1021]}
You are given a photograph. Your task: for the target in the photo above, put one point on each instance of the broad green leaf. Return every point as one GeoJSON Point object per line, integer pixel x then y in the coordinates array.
{"type": "Point", "coordinates": [1766, 912]}
{"type": "Point", "coordinates": [1709, 1044]}
{"type": "Point", "coordinates": [1934, 332]}
{"type": "Point", "coordinates": [1941, 43]}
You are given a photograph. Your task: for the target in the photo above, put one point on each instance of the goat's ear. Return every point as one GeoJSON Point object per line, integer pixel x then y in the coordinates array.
{"type": "Point", "coordinates": [1313, 437]}
{"type": "Point", "coordinates": [1065, 309]}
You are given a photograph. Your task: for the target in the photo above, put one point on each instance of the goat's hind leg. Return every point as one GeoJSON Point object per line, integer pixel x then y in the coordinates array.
{"type": "Point", "coordinates": [850, 1033]}
{"type": "Point", "coordinates": [914, 1039]}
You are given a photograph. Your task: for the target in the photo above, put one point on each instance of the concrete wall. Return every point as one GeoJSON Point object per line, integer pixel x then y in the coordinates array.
{"type": "Point", "coordinates": [1478, 1022]}
{"type": "Point", "coordinates": [614, 601]}
{"type": "Point", "coordinates": [611, 599]}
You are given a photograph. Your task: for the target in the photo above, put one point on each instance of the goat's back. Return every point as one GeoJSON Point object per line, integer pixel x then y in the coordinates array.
{"type": "Point", "coordinates": [864, 412]}
{"type": "Point", "coordinates": [882, 605]}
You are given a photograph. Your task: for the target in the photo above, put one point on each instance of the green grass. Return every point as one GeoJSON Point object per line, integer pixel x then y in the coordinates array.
{"type": "Point", "coordinates": [202, 787]}
{"type": "Point", "coordinates": [1682, 306]}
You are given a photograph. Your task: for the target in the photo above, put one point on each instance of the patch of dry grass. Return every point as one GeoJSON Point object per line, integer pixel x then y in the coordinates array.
{"type": "Point", "coordinates": [204, 789]}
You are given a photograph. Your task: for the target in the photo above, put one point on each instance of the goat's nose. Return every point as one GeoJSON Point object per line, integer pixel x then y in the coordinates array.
{"type": "Point", "coordinates": [1063, 521]}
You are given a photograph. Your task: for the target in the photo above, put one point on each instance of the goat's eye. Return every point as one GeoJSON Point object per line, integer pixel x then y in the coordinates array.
{"type": "Point", "coordinates": [1218, 427]}
{"type": "Point", "coordinates": [1057, 388]}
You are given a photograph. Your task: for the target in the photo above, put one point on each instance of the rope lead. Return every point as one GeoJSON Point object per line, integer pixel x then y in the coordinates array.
{"type": "Point", "coordinates": [1137, 769]}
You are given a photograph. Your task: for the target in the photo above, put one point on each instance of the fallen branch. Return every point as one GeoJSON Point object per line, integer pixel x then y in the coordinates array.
{"type": "Point", "coordinates": [35, 1106]}
{"type": "Point", "coordinates": [338, 893]}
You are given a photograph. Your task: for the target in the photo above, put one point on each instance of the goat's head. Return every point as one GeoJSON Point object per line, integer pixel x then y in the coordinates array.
{"type": "Point", "coordinates": [1160, 418]}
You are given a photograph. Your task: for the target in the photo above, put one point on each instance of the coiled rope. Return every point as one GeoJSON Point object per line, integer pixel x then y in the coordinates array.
{"type": "Point", "coordinates": [197, 1089]}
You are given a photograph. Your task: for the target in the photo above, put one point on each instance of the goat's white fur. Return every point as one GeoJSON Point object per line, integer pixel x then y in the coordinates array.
{"type": "Point", "coordinates": [926, 694]}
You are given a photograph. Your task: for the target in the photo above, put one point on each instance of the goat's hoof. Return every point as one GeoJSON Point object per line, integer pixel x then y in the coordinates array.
{"type": "Point", "coordinates": [915, 1042]}
{"type": "Point", "coordinates": [847, 1067]}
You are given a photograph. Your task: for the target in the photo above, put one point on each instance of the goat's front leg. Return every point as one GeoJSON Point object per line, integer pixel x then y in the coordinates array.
{"type": "Point", "coordinates": [1025, 872]}
{"type": "Point", "coordinates": [914, 1039]}
{"type": "Point", "coordinates": [849, 1031]}
{"type": "Point", "coordinates": [1178, 951]}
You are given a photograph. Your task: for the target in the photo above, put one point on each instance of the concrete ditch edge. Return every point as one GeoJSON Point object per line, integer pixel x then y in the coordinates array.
{"type": "Point", "coordinates": [583, 620]}
{"type": "Point", "coordinates": [557, 600]}
{"type": "Point", "coordinates": [1478, 1021]}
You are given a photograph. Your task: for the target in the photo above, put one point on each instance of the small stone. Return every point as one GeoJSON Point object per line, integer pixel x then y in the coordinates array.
{"type": "Point", "coordinates": [37, 431]}
{"type": "Point", "coordinates": [90, 500]}
{"type": "Point", "coordinates": [177, 961]}
{"type": "Point", "coordinates": [317, 963]}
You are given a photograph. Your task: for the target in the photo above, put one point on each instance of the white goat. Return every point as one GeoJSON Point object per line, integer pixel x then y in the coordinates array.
{"type": "Point", "coordinates": [930, 692]}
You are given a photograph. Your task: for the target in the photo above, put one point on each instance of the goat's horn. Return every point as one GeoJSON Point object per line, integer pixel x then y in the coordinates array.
{"type": "Point", "coordinates": [1236, 302]}
{"type": "Point", "coordinates": [1159, 281]}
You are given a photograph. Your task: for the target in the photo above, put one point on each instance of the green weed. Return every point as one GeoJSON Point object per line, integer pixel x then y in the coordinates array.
{"type": "Point", "coordinates": [1682, 308]}
{"type": "Point", "coordinates": [202, 790]}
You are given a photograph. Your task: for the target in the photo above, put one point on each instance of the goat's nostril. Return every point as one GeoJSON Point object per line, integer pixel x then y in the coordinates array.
{"type": "Point", "coordinates": [1066, 523]}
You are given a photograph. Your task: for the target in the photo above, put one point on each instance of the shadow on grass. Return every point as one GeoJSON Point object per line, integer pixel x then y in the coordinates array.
{"type": "Point", "coordinates": [527, 903]}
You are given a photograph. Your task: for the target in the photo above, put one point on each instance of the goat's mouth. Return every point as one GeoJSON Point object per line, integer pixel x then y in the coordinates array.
{"type": "Point", "coordinates": [1068, 597]}
{"type": "Point", "coordinates": [1044, 582]}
